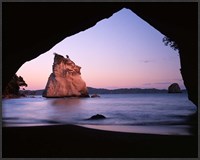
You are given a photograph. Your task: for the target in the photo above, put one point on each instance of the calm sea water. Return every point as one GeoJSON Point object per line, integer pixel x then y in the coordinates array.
{"type": "Point", "coordinates": [143, 113]}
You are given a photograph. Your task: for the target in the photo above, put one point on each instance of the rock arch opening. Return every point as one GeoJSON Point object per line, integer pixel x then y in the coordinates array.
{"type": "Point", "coordinates": [120, 52]}
{"type": "Point", "coordinates": [42, 37]}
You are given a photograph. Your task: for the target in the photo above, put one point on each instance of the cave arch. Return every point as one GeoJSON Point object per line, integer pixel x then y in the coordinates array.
{"type": "Point", "coordinates": [49, 23]}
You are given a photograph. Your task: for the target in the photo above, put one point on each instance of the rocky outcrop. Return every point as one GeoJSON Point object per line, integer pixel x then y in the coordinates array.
{"type": "Point", "coordinates": [12, 89]}
{"type": "Point", "coordinates": [97, 117]}
{"type": "Point", "coordinates": [65, 81]}
{"type": "Point", "coordinates": [174, 88]}
{"type": "Point", "coordinates": [95, 96]}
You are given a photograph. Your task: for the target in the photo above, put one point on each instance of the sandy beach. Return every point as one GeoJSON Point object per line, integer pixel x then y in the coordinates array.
{"type": "Point", "coordinates": [60, 141]}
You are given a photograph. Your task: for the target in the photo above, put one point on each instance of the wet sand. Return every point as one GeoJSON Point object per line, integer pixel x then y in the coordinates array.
{"type": "Point", "coordinates": [60, 141]}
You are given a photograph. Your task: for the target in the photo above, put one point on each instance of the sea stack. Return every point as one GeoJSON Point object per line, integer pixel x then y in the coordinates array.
{"type": "Point", "coordinates": [174, 88]}
{"type": "Point", "coordinates": [65, 81]}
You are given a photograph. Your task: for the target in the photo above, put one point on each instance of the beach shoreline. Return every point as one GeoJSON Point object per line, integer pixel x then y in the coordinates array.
{"type": "Point", "coordinates": [62, 141]}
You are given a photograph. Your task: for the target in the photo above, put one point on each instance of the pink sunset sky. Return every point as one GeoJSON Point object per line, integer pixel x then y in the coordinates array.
{"type": "Point", "coordinates": [120, 52]}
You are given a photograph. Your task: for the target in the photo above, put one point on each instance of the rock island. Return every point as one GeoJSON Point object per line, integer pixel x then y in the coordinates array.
{"type": "Point", "coordinates": [65, 81]}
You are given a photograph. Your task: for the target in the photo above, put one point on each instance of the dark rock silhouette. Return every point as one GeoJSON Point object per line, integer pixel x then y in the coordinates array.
{"type": "Point", "coordinates": [174, 88]}
{"type": "Point", "coordinates": [95, 96]}
{"type": "Point", "coordinates": [65, 81]}
{"type": "Point", "coordinates": [28, 40]}
{"type": "Point", "coordinates": [97, 117]}
{"type": "Point", "coordinates": [12, 89]}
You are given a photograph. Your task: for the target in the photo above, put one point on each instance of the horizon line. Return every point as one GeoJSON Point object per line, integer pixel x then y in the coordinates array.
{"type": "Point", "coordinates": [112, 88]}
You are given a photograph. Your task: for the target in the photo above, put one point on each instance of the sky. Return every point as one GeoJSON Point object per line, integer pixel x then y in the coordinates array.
{"type": "Point", "coordinates": [122, 51]}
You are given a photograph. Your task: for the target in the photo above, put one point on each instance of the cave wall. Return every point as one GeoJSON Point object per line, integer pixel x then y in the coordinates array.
{"type": "Point", "coordinates": [30, 29]}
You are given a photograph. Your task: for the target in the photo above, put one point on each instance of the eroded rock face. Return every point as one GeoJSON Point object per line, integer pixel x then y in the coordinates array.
{"type": "Point", "coordinates": [174, 88]}
{"type": "Point", "coordinates": [65, 81]}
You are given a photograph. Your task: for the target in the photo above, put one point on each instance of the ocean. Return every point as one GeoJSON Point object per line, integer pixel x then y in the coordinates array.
{"type": "Point", "coordinates": [138, 113]}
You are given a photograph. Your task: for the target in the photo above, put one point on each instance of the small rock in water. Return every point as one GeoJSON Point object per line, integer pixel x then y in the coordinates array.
{"type": "Point", "coordinates": [95, 96]}
{"type": "Point", "coordinates": [174, 88]}
{"type": "Point", "coordinates": [98, 116]}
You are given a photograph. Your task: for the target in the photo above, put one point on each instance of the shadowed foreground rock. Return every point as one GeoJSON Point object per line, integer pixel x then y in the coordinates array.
{"type": "Point", "coordinates": [61, 141]}
{"type": "Point", "coordinates": [65, 81]}
{"type": "Point", "coordinates": [174, 88]}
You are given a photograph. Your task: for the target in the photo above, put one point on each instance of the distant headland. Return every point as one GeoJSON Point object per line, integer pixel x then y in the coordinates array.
{"type": "Point", "coordinates": [92, 90]}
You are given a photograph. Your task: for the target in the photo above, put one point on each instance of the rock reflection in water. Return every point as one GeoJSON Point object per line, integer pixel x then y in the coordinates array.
{"type": "Point", "coordinates": [66, 102]}
{"type": "Point", "coordinates": [65, 110]}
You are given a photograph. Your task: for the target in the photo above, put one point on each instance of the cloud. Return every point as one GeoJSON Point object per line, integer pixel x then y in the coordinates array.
{"type": "Point", "coordinates": [180, 80]}
{"type": "Point", "coordinates": [162, 83]}
{"type": "Point", "coordinates": [146, 61]}
{"type": "Point", "coordinates": [157, 83]}
{"type": "Point", "coordinates": [147, 84]}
